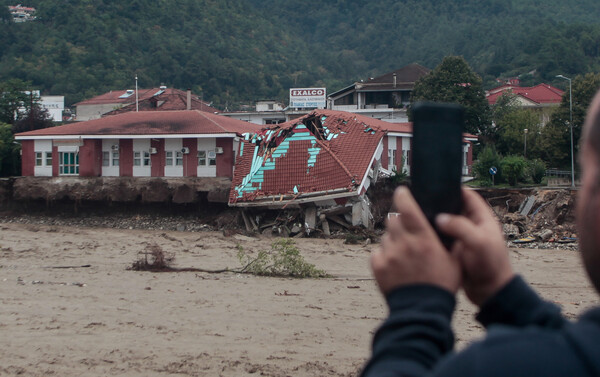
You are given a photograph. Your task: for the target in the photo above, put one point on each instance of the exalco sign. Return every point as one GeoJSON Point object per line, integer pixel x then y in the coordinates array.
{"type": "Point", "coordinates": [307, 97]}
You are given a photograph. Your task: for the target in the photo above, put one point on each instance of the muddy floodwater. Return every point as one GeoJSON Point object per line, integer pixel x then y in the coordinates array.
{"type": "Point", "coordinates": [70, 307]}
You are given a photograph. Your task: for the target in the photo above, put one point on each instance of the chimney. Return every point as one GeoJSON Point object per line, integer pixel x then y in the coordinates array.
{"type": "Point", "coordinates": [189, 99]}
{"type": "Point", "coordinates": [394, 79]}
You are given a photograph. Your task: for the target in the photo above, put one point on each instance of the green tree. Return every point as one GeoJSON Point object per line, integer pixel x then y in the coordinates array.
{"type": "Point", "coordinates": [511, 133]}
{"type": "Point", "coordinates": [557, 134]}
{"type": "Point", "coordinates": [13, 99]}
{"type": "Point", "coordinates": [454, 81]}
{"type": "Point", "coordinates": [36, 118]}
{"type": "Point", "coordinates": [10, 161]}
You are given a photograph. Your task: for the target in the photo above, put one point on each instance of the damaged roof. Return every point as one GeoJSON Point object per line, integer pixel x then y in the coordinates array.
{"type": "Point", "coordinates": [186, 122]}
{"type": "Point", "coordinates": [324, 152]}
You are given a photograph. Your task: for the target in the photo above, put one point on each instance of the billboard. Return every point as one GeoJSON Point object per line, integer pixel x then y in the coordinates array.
{"type": "Point", "coordinates": [307, 97]}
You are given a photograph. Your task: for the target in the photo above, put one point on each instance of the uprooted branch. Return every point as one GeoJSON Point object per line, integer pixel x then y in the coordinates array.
{"type": "Point", "coordinates": [283, 260]}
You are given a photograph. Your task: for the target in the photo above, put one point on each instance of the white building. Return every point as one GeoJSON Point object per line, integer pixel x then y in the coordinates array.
{"type": "Point", "coordinates": [384, 97]}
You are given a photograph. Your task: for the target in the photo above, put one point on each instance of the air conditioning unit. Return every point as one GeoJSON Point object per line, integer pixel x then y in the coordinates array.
{"type": "Point", "coordinates": [185, 150]}
{"type": "Point", "coordinates": [153, 150]}
{"type": "Point", "coordinates": [115, 147]}
{"type": "Point", "coordinates": [219, 150]}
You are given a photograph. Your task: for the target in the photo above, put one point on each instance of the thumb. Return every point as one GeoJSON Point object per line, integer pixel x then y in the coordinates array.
{"type": "Point", "coordinates": [458, 227]}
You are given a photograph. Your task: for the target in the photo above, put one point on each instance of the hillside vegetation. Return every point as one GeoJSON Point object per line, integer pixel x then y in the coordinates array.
{"type": "Point", "coordinates": [234, 51]}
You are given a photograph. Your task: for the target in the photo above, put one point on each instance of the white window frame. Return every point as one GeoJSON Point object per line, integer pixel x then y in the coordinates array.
{"type": "Point", "coordinates": [48, 159]}
{"type": "Point", "coordinates": [202, 158]}
{"type": "Point", "coordinates": [110, 158]}
{"type": "Point", "coordinates": [115, 158]}
{"type": "Point", "coordinates": [206, 158]}
{"type": "Point", "coordinates": [137, 158]}
{"type": "Point", "coordinates": [147, 161]}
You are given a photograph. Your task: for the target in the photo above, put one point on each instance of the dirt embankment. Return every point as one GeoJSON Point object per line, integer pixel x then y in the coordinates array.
{"type": "Point", "coordinates": [176, 204]}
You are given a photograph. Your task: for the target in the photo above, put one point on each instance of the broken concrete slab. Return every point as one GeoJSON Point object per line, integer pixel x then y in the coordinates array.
{"type": "Point", "coordinates": [527, 205]}
{"type": "Point", "coordinates": [310, 218]}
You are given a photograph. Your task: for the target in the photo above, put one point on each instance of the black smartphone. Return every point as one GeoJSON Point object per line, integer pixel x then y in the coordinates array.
{"type": "Point", "coordinates": [437, 159]}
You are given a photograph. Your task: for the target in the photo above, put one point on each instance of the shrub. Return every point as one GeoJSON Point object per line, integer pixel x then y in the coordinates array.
{"type": "Point", "coordinates": [487, 158]}
{"type": "Point", "coordinates": [536, 170]}
{"type": "Point", "coordinates": [513, 168]}
{"type": "Point", "coordinates": [283, 259]}
{"type": "Point", "coordinates": [398, 177]}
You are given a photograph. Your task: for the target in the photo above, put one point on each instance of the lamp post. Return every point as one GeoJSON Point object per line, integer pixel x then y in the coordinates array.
{"type": "Point", "coordinates": [571, 128]}
{"type": "Point", "coordinates": [525, 146]}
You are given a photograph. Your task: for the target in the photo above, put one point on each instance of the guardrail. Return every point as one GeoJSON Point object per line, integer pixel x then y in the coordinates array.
{"type": "Point", "coordinates": [558, 173]}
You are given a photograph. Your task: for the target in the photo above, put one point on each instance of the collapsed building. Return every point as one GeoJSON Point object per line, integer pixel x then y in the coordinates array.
{"type": "Point", "coordinates": [323, 163]}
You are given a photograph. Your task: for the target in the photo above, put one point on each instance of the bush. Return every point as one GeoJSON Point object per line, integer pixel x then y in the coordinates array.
{"type": "Point", "coordinates": [398, 177]}
{"type": "Point", "coordinates": [284, 259]}
{"type": "Point", "coordinates": [536, 170]}
{"type": "Point", "coordinates": [487, 158]}
{"type": "Point", "coordinates": [513, 168]}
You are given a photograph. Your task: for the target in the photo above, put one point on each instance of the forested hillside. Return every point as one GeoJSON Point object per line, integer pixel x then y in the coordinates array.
{"type": "Point", "coordinates": [235, 51]}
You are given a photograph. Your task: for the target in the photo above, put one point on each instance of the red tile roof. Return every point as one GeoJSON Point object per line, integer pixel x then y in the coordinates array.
{"type": "Point", "coordinates": [151, 123]}
{"type": "Point", "coordinates": [169, 99]}
{"type": "Point", "coordinates": [540, 94]}
{"type": "Point", "coordinates": [113, 97]}
{"type": "Point", "coordinates": [318, 153]}
{"type": "Point", "coordinates": [398, 127]}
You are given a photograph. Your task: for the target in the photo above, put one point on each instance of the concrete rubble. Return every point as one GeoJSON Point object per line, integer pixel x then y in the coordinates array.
{"type": "Point", "coordinates": [535, 218]}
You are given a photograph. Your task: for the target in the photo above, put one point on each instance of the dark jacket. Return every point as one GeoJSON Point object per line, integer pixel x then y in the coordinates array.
{"type": "Point", "coordinates": [526, 337]}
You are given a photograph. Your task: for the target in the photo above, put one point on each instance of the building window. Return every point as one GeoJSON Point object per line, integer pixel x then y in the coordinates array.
{"type": "Point", "coordinates": [146, 158]}
{"type": "Point", "coordinates": [391, 158]}
{"type": "Point", "coordinates": [48, 158]}
{"type": "Point", "coordinates": [207, 158]}
{"type": "Point", "coordinates": [110, 158]}
{"type": "Point", "coordinates": [141, 158]}
{"type": "Point", "coordinates": [68, 163]}
{"type": "Point", "coordinates": [173, 158]}
{"type": "Point", "coordinates": [38, 159]}
{"type": "Point", "coordinates": [274, 121]}
{"type": "Point", "coordinates": [201, 158]}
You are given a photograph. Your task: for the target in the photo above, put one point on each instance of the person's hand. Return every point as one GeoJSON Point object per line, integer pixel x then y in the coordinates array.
{"type": "Point", "coordinates": [411, 251]}
{"type": "Point", "coordinates": [480, 247]}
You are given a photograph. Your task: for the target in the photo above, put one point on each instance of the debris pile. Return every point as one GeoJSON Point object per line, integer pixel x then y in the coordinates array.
{"type": "Point", "coordinates": [535, 216]}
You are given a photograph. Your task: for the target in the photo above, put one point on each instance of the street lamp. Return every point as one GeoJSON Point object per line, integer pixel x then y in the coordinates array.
{"type": "Point", "coordinates": [571, 127]}
{"type": "Point", "coordinates": [525, 147]}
